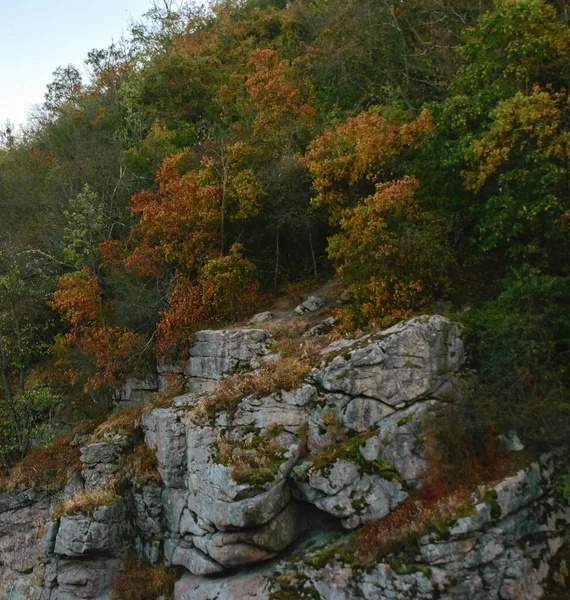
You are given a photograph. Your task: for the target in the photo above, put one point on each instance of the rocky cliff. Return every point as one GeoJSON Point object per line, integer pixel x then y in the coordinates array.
{"type": "Point", "coordinates": [257, 497]}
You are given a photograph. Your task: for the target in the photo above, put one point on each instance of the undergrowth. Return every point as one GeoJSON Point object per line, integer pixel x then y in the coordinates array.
{"type": "Point", "coordinates": [439, 504]}
{"type": "Point", "coordinates": [143, 581]}
{"type": "Point", "coordinates": [44, 469]}
{"type": "Point", "coordinates": [86, 502]}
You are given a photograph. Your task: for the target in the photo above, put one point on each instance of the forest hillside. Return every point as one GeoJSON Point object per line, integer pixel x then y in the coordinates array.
{"type": "Point", "coordinates": [231, 158]}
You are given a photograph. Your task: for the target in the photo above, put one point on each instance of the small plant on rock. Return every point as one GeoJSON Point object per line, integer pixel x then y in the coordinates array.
{"type": "Point", "coordinates": [143, 581]}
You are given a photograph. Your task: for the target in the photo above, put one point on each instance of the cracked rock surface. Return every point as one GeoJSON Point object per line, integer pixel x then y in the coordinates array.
{"type": "Point", "coordinates": [255, 499]}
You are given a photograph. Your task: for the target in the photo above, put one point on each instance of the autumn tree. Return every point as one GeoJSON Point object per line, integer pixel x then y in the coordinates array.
{"type": "Point", "coordinates": [497, 168]}
{"type": "Point", "coordinates": [179, 242]}
{"type": "Point", "coordinates": [110, 351]}
{"type": "Point", "coordinates": [225, 290]}
{"type": "Point", "coordinates": [389, 250]}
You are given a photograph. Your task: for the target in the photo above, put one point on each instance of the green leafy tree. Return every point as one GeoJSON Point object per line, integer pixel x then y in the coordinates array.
{"type": "Point", "coordinates": [85, 229]}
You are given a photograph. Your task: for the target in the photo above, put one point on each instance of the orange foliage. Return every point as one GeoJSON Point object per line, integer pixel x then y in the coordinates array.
{"type": "Point", "coordinates": [189, 306]}
{"type": "Point", "coordinates": [278, 90]}
{"type": "Point", "coordinates": [45, 469]}
{"type": "Point", "coordinates": [362, 149]}
{"type": "Point", "coordinates": [79, 300]}
{"type": "Point", "coordinates": [226, 289]}
{"type": "Point", "coordinates": [390, 252]}
{"type": "Point", "coordinates": [113, 253]}
{"type": "Point", "coordinates": [404, 246]}
{"type": "Point", "coordinates": [180, 224]}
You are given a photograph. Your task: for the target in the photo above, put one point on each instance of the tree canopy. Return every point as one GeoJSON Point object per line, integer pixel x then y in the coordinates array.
{"type": "Point", "coordinates": [418, 150]}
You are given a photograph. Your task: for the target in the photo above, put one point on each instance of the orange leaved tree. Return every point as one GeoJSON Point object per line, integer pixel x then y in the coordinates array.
{"type": "Point", "coordinates": [389, 250]}
{"type": "Point", "coordinates": [109, 352]}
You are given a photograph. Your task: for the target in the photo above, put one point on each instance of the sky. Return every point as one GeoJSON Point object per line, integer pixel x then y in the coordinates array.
{"type": "Point", "coordinates": [37, 36]}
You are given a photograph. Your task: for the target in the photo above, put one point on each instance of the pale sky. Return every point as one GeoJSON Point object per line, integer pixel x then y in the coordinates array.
{"type": "Point", "coordinates": [37, 36]}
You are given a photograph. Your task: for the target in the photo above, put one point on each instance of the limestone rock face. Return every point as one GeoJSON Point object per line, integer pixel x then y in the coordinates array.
{"type": "Point", "coordinates": [165, 435]}
{"type": "Point", "coordinates": [101, 462]}
{"type": "Point", "coordinates": [398, 366]}
{"type": "Point", "coordinates": [254, 493]}
{"type": "Point", "coordinates": [137, 391]}
{"type": "Point", "coordinates": [89, 578]}
{"type": "Point", "coordinates": [483, 557]}
{"type": "Point", "coordinates": [22, 513]}
{"type": "Point", "coordinates": [353, 496]}
{"type": "Point", "coordinates": [214, 354]}
{"type": "Point", "coordinates": [103, 532]}
{"type": "Point", "coordinates": [242, 475]}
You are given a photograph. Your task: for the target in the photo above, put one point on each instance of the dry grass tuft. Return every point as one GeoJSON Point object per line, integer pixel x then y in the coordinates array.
{"type": "Point", "coordinates": [140, 467]}
{"type": "Point", "coordinates": [406, 523]}
{"type": "Point", "coordinates": [122, 421]}
{"type": "Point", "coordinates": [45, 469]}
{"type": "Point", "coordinates": [142, 581]}
{"type": "Point", "coordinates": [284, 374]}
{"type": "Point", "coordinates": [291, 329]}
{"type": "Point", "coordinates": [86, 502]}
{"type": "Point", "coordinates": [299, 355]}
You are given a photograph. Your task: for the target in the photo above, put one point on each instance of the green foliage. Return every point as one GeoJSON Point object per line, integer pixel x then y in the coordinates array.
{"type": "Point", "coordinates": [566, 487]}
{"type": "Point", "coordinates": [22, 421]}
{"type": "Point", "coordinates": [209, 151]}
{"type": "Point", "coordinates": [521, 344]}
{"type": "Point", "coordinates": [516, 45]}
{"type": "Point", "coordinates": [84, 230]}
{"type": "Point", "coordinates": [234, 282]}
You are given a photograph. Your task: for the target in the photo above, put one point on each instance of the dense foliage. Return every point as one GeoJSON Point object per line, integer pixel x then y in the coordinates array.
{"type": "Point", "coordinates": [420, 149]}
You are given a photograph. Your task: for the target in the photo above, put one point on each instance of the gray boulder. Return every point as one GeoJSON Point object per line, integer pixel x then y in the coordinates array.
{"type": "Point", "coordinates": [104, 531]}
{"type": "Point", "coordinates": [344, 491]}
{"type": "Point", "coordinates": [214, 354]}
{"type": "Point", "coordinates": [263, 317]}
{"type": "Point", "coordinates": [310, 305]}
{"type": "Point", "coordinates": [399, 366]}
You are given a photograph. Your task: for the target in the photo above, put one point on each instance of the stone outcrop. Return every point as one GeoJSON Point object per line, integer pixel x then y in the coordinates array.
{"type": "Point", "coordinates": [23, 514]}
{"type": "Point", "coordinates": [500, 551]}
{"type": "Point", "coordinates": [360, 415]}
{"type": "Point", "coordinates": [310, 305]}
{"type": "Point", "coordinates": [101, 460]}
{"type": "Point", "coordinates": [214, 354]}
{"type": "Point", "coordinates": [261, 493]}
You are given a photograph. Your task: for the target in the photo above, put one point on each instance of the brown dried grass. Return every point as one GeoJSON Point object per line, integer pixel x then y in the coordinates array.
{"type": "Point", "coordinates": [44, 469]}
{"type": "Point", "coordinates": [298, 356]}
{"type": "Point", "coordinates": [442, 499]}
{"type": "Point", "coordinates": [123, 421]}
{"type": "Point", "coordinates": [86, 502]}
{"type": "Point", "coordinates": [143, 581]}
{"type": "Point", "coordinates": [411, 519]}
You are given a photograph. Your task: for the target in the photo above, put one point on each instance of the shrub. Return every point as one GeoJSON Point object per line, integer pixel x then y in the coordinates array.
{"type": "Point", "coordinates": [390, 251]}
{"type": "Point", "coordinates": [143, 581]}
{"type": "Point", "coordinates": [521, 344]}
{"type": "Point", "coordinates": [45, 469]}
{"type": "Point", "coordinates": [22, 419]}
{"type": "Point", "coordinates": [226, 290]}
